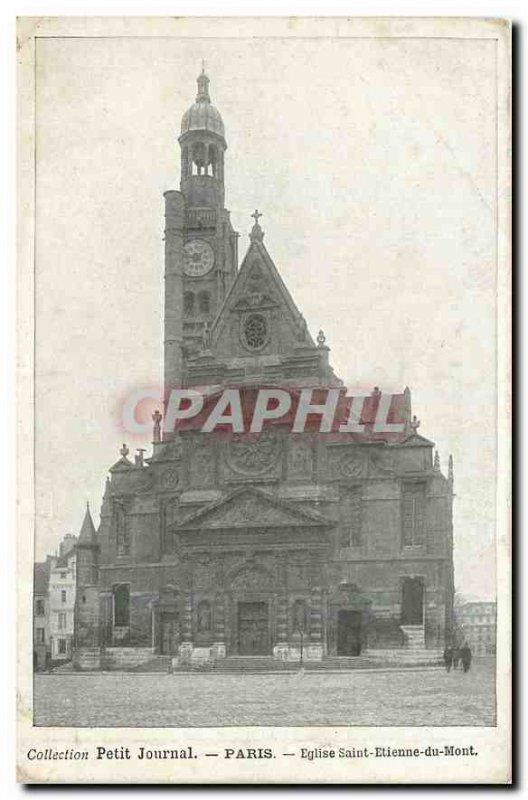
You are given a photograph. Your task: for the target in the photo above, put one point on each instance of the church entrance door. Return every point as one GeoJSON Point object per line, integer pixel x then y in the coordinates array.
{"type": "Point", "coordinates": [253, 629]}
{"type": "Point", "coordinates": [169, 634]}
{"type": "Point", "coordinates": [412, 601]}
{"type": "Point", "coordinates": [348, 633]}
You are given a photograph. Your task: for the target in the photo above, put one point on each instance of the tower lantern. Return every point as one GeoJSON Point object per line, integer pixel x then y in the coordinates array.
{"type": "Point", "coordinates": [203, 144]}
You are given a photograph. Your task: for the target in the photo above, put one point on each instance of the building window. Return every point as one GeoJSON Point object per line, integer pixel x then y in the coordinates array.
{"type": "Point", "coordinates": [122, 537]}
{"type": "Point", "coordinates": [63, 575]}
{"type": "Point", "coordinates": [188, 303]}
{"type": "Point", "coordinates": [122, 605]}
{"type": "Point", "coordinates": [63, 595]}
{"type": "Point", "coordinates": [62, 620]}
{"type": "Point", "coordinates": [62, 647]}
{"type": "Point", "coordinates": [204, 302]}
{"type": "Point", "coordinates": [39, 608]}
{"type": "Point", "coordinates": [41, 635]}
{"type": "Point", "coordinates": [84, 598]}
{"type": "Point", "coordinates": [350, 532]}
{"type": "Point", "coordinates": [413, 515]}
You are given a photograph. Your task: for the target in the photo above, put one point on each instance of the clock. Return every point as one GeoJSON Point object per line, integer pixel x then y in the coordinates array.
{"type": "Point", "coordinates": [198, 258]}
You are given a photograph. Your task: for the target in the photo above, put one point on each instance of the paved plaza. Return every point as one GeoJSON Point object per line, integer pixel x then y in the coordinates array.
{"type": "Point", "coordinates": [411, 697]}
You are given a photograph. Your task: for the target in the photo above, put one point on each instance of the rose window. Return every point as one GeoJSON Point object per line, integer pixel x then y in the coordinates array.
{"type": "Point", "coordinates": [255, 331]}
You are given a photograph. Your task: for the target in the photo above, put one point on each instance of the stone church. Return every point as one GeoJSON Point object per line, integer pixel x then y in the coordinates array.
{"type": "Point", "coordinates": [280, 545]}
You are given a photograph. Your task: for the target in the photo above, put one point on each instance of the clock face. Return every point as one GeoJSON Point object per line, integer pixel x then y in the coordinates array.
{"type": "Point", "coordinates": [198, 258]}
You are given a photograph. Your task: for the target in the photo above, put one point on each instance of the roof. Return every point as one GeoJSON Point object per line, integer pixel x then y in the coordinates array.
{"type": "Point", "coordinates": [202, 116]}
{"type": "Point", "coordinates": [40, 577]}
{"type": "Point", "coordinates": [258, 249]}
{"type": "Point", "coordinates": [87, 534]}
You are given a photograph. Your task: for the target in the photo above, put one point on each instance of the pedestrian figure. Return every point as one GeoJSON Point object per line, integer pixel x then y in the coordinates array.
{"type": "Point", "coordinates": [456, 657]}
{"type": "Point", "coordinates": [465, 656]}
{"type": "Point", "coordinates": [448, 658]}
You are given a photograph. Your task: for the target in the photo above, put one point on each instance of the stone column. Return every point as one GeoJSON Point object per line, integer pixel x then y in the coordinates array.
{"type": "Point", "coordinates": [280, 649]}
{"type": "Point", "coordinates": [315, 649]}
{"type": "Point", "coordinates": [219, 646]}
{"type": "Point", "coordinates": [186, 647]}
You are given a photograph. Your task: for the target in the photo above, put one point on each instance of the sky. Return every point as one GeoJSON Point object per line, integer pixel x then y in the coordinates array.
{"type": "Point", "coordinates": [374, 164]}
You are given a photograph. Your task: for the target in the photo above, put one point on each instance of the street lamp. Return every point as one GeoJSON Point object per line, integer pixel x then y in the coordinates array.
{"type": "Point", "coordinates": [301, 634]}
{"type": "Point", "coordinates": [300, 627]}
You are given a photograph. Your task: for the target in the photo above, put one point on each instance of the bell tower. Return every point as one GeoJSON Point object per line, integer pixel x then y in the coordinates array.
{"type": "Point", "coordinates": [201, 247]}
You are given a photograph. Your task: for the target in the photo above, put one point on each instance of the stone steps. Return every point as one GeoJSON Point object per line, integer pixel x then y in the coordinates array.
{"type": "Point", "coordinates": [414, 636]}
{"type": "Point", "coordinates": [341, 662]}
{"type": "Point", "coordinates": [155, 664]}
{"type": "Point", "coordinates": [253, 664]}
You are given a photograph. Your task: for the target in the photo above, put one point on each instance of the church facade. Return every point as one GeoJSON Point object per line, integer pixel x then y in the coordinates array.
{"type": "Point", "coordinates": [226, 546]}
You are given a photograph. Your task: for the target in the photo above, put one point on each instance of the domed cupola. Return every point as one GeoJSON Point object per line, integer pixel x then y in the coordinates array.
{"type": "Point", "coordinates": [202, 115]}
{"type": "Point", "coordinates": [202, 142]}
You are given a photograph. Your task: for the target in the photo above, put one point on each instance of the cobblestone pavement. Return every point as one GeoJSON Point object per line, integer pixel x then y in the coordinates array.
{"type": "Point", "coordinates": [422, 697]}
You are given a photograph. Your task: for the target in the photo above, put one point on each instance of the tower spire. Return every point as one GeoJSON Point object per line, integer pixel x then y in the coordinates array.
{"type": "Point", "coordinates": [203, 86]}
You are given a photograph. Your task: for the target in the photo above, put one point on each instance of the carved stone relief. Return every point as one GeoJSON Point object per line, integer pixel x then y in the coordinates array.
{"type": "Point", "coordinates": [300, 460]}
{"type": "Point", "coordinates": [253, 455]}
{"type": "Point", "coordinates": [202, 467]}
{"type": "Point", "coordinates": [350, 465]}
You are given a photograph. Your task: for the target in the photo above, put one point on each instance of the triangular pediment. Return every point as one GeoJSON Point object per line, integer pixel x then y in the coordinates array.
{"type": "Point", "coordinates": [259, 289]}
{"type": "Point", "coordinates": [415, 440]}
{"type": "Point", "coordinates": [251, 508]}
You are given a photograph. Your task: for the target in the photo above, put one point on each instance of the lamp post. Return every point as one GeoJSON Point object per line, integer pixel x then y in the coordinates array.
{"type": "Point", "coordinates": [299, 616]}
{"type": "Point", "coordinates": [300, 630]}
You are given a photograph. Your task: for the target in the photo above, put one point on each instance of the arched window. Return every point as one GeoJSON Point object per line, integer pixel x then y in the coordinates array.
{"type": "Point", "coordinates": [203, 617]}
{"type": "Point", "coordinates": [188, 303]}
{"type": "Point", "coordinates": [204, 302]}
{"type": "Point", "coordinates": [213, 160]}
{"type": "Point", "coordinates": [199, 158]}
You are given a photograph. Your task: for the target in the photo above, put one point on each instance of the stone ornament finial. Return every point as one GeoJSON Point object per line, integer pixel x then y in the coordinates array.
{"type": "Point", "coordinates": [156, 418]}
{"type": "Point", "coordinates": [124, 450]}
{"type": "Point", "coordinates": [437, 461]}
{"type": "Point", "coordinates": [450, 473]}
{"type": "Point", "coordinates": [257, 234]}
{"type": "Point", "coordinates": [203, 87]}
{"type": "Point", "coordinates": [414, 424]}
{"type": "Point", "coordinates": [321, 339]}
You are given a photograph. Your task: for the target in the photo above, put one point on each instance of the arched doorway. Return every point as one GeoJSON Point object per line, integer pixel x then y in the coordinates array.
{"type": "Point", "coordinates": [253, 628]}
{"type": "Point", "coordinates": [412, 601]}
{"type": "Point", "coordinates": [251, 597]}
{"type": "Point", "coordinates": [348, 632]}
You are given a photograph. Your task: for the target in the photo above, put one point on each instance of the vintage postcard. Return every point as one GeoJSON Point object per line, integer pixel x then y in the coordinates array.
{"type": "Point", "coordinates": [264, 400]}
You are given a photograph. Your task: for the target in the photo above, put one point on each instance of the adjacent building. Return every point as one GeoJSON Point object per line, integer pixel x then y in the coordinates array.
{"type": "Point", "coordinates": [41, 637]}
{"type": "Point", "coordinates": [61, 601]}
{"type": "Point", "coordinates": [221, 546]}
{"type": "Point", "coordinates": [477, 625]}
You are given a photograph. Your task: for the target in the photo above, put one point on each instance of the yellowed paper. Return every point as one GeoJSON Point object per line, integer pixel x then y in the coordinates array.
{"type": "Point", "coordinates": [277, 547]}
